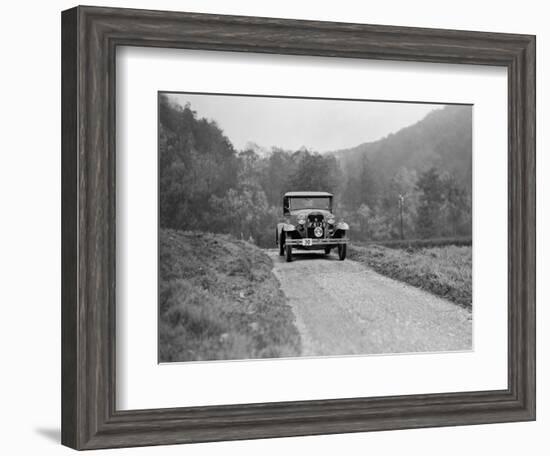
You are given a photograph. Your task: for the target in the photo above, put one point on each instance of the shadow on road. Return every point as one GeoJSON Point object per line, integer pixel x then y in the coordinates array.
{"type": "Point", "coordinates": [305, 256]}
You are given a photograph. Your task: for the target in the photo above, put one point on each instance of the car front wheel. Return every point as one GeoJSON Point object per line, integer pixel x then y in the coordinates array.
{"type": "Point", "coordinates": [288, 249]}
{"type": "Point", "coordinates": [342, 250]}
{"type": "Point", "coordinates": [281, 245]}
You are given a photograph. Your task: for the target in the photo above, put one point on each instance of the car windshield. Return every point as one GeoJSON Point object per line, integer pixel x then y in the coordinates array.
{"type": "Point", "coordinates": [313, 202]}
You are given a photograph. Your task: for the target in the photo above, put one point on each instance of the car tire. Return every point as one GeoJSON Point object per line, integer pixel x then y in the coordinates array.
{"type": "Point", "coordinates": [281, 245]}
{"type": "Point", "coordinates": [327, 250]}
{"type": "Point", "coordinates": [342, 250]}
{"type": "Point", "coordinates": [288, 250]}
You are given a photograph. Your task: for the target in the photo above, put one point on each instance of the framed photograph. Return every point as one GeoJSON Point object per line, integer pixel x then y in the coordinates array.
{"type": "Point", "coordinates": [280, 228]}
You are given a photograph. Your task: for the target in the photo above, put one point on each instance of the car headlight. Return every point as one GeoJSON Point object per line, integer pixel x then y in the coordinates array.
{"type": "Point", "coordinates": [331, 221]}
{"type": "Point", "coordinates": [301, 221]}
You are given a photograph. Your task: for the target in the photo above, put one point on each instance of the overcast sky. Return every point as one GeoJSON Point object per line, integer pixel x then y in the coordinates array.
{"type": "Point", "coordinates": [289, 123]}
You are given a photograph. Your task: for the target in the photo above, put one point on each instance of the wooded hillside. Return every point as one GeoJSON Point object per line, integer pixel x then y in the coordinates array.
{"type": "Point", "coordinates": [422, 172]}
{"type": "Point", "coordinates": [424, 169]}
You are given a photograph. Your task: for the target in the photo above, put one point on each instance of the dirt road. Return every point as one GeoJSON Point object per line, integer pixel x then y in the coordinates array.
{"type": "Point", "coordinates": [344, 308]}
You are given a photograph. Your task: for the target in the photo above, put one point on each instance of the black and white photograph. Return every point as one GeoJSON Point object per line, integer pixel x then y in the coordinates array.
{"type": "Point", "coordinates": [275, 228]}
{"type": "Point", "coordinates": [309, 227]}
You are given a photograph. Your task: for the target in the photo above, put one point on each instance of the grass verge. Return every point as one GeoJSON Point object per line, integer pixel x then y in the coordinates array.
{"type": "Point", "coordinates": [444, 271]}
{"type": "Point", "coordinates": [219, 299]}
{"type": "Point", "coordinates": [424, 243]}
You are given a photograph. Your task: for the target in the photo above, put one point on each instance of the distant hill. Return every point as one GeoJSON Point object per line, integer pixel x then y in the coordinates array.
{"type": "Point", "coordinates": [442, 139]}
{"type": "Point", "coordinates": [413, 184]}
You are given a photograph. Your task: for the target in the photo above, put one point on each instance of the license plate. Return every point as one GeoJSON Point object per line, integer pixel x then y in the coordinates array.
{"type": "Point", "coordinates": [307, 242]}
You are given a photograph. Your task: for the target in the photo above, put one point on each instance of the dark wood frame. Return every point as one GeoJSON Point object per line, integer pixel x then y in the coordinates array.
{"type": "Point", "coordinates": [90, 36]}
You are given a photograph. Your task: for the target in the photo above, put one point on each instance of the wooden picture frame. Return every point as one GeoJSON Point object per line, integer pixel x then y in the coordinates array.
{"type": "Point", "coordinates": [90, 37]}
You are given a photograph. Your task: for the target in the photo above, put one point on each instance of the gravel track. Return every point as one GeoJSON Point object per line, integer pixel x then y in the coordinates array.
{"type": "Point", "coordinates": [345, 308]}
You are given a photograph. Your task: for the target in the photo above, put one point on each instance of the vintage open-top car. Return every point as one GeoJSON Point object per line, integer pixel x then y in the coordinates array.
{"type": "Point", "coordinates": [309, 224]}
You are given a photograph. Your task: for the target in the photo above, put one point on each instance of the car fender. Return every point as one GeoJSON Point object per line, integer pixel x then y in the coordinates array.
{"type": "Point", "coordinates": [342, 226]}
{"type": "Point", "coordinates": [286, 227]}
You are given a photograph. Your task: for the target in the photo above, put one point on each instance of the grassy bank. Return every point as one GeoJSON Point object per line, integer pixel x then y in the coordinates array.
{"type": "Point", "coordinates": [425, 243]}
{"type": "Point", "coordinates": [445, 271]}
{"type": "Point", "coordinates": [219, 300]}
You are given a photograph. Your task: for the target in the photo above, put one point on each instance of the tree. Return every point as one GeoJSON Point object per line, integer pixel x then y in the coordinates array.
{"type": "Point", "coordinates": [275, 171]}
{"type": "Point", "coordinates": [431, 200]}
{"type": "Point", "coordinates": [365, 216]}
{"type": "Point", "coordinates": [315, 172]}
{"type": "Point", "coordinates": [361, 186]}
{"type": "Point", "coordinates": [403, 201]}
{"type": "Point", "coordinates": [196, 160]}
{"type": "Point", "coordinates": [244, 213]}
{"type": "Point", "coordinates": [457, 208]}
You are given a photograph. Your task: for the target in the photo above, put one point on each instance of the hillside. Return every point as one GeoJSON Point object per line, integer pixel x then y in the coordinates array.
{"type": "Point", "coordinates": [205, 184]}
{"type": "Point", "coordinates": [443, 139]}
{"type": "Point", "coordinates": [413, 184]}
{"type": "Point", "coordinates": [218, 299]}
